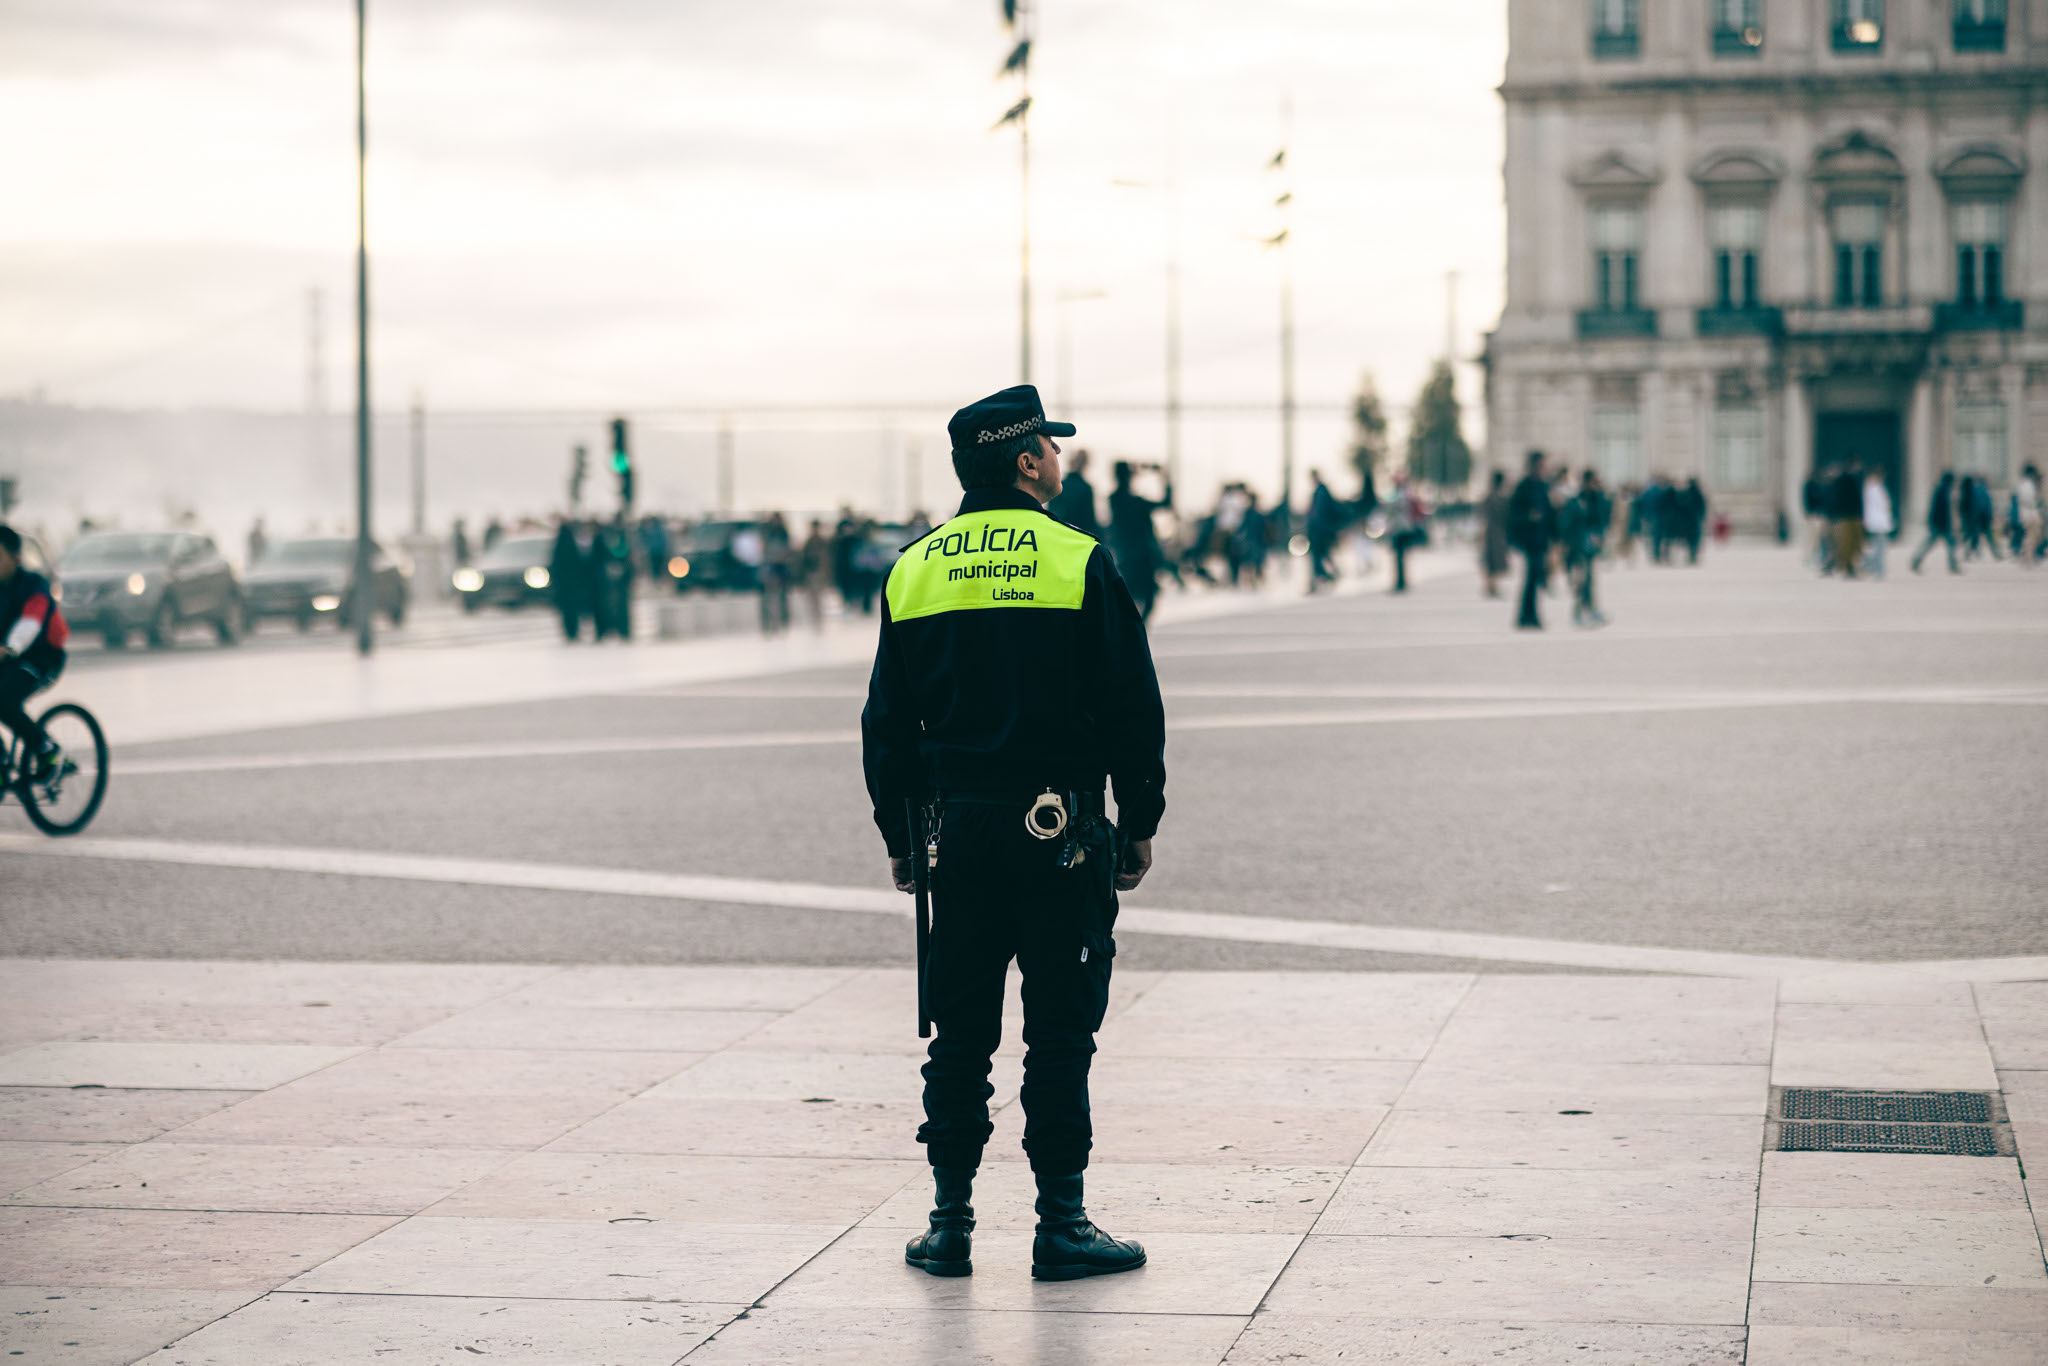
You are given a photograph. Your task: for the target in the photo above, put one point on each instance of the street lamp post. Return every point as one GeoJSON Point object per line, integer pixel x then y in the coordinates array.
{"type": "Point", "coordinates": [361, 598]}
{"type": "Point", "coordinates": [1017, 15]}
{"type": "Point", "coordinates": [1066, 298]}
{"type": "Point", "coordinates": [1284, 202]}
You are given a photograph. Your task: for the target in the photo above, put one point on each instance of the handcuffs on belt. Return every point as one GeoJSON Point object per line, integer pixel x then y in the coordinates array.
{"type": "Point", "coordinates": [1047, 820]}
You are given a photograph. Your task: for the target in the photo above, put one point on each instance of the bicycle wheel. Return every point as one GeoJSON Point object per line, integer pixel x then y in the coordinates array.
{"type": "Point", "coordinates": [64, 800]}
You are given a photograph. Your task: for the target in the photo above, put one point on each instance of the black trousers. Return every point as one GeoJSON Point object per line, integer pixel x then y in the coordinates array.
{"type": "Point", "coordinates": [20, 680]}
{"type": "Point", "coordinates": [1532, 562]}
{"type": "Point", "coordinates": [998, 894]}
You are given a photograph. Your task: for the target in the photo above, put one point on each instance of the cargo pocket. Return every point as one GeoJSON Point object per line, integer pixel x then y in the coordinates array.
{"type": "Point", "coordinates": [1098, 955]}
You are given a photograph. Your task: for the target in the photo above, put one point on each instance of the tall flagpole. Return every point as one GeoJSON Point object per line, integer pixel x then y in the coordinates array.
{"type": "Point", "coordinates": [361, 598]}
{"type": "Point", "coordinates": [1284, 202]}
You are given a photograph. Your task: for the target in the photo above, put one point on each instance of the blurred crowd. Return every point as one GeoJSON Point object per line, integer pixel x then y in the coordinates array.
{"type": "Point", "coordinates": [1850, 520]}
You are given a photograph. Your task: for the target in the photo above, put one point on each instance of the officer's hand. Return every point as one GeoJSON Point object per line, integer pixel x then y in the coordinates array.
{"type": "Point", "coordinates": [906, 879]}
{"type": "Point", "coordinates": [1137, 863]}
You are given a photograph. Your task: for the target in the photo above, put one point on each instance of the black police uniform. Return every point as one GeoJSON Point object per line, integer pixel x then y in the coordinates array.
{"type": "Point", "coordinates": [1013, 662]}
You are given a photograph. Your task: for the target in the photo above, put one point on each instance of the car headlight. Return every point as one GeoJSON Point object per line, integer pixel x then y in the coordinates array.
{"type": "Point", "coordinates": [536, 577]}
{"type": "Point", "coordinates": [468, 580]}
{"type": "Point", "coordinates": [679, 568]}
{"type": "Point", "coordinates": [138, 584]}
{"type": "Point", "coordinates": [326, 602]}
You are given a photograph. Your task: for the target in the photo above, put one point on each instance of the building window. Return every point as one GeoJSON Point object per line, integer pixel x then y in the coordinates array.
{"type": "Point", "coordinates": [1617, 28]}
{"type": "Point", "coordinates": [1980, 25]}
{"type": "Point", "coordinates": [1739, 447]}
{"type": "Point", "coordinates": [1859, 254]}
{"type": "Point", "coordinates": [1735, 232]}
{"type": "Point", "coordinates": [1617, 443]}
{"type": "Point", "coordinates": [1979, 227]}
{"type": "Point", "coordinates": [1980, 439]}
{"type": "Point", "coordinates": [1738, 28]}
{"type": "Point", "coordinates": [1859, 25]}
{"type": "Point", "coordinates": [1617, 247]}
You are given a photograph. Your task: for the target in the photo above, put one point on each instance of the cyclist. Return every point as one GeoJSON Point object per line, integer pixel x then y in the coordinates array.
{"type": "Point", "coordinates": [32, 636]}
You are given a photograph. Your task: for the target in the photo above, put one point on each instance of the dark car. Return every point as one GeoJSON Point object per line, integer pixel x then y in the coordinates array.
{"type": "Point", "coordinates": [512, 573]}
{"type": "Point", "coordinates": [703, 559]}
{"type": "Point", "coordinates": [313, 579]}
{"type": "Point", "coordinates": [115, 582]}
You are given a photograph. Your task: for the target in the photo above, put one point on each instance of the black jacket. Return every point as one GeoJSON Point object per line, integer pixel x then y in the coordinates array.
{"type": "Point", "coordinates": [1532, 519]}
{"type": "Point", "coordinates": [1011, 660]}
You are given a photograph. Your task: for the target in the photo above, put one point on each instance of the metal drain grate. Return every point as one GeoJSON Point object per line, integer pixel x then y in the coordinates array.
{"type": "Point", "coordinates": [1888, 1107]}
{"type": "Point", "coordinates": [1951, 1123]}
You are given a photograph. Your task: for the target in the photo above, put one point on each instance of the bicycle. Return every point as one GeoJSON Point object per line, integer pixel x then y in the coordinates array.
{"type": "Point", "coordinates": [63, 797]}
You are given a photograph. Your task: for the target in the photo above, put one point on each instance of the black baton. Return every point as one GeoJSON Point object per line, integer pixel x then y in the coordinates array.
{"type": "Point", "coordinates": [921, 877]}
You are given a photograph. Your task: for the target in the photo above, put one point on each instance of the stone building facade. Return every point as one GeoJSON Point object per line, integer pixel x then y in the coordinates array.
{"type": "Point", "coordinates": [1750, 238]}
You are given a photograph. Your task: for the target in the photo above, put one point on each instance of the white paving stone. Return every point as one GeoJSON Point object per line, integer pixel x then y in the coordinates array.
{"type": "Point", "coordinates": [1568, 1280]}
{"type": "Point", "coordinates": [1901, 1247]}
{"type": "Point", "coordinates": [777, 1335]}
{"type": "Point", "coordinates": [1891, 1181]}
{"type": "Point", "coordinates": [98, 1326]}
{"type": "Point", "coordinates": [1645, 1203]}
{"type": "Point", "coordinates": [681, 1189]}
{"type": "Point", "coordinates": [423, 1330]}
{"type": "Point", "coordinates": [166, 1066]}
{"type": "Point", "coordinates": [1776, 1346]}
{"type": "Point", "coordinates": [1302, 1340]}
{"type": "Point", "coordinates": [1881, 1047]}
{"type": "Point", "coordinates": [565, 1259]}
{"type": "Point", "coordinates": [1468, 1138]}
{"type": "Point", "coordinates": [2016, 1022]}
{"type": "Point", "coordinates": [169, 1249]}
{"type": "Point", "coordinates": [1550, 1085]}
{"type": "Point", "coordinates": [24, 1164]}
{"type": "Point", "coordinates": [500, 1026]}
{"type": "Point", "coordinates": [248, 1176]}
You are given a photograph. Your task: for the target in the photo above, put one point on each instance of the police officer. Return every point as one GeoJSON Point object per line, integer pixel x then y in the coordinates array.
{"type": "Point", "coordinates": [1011, 680]}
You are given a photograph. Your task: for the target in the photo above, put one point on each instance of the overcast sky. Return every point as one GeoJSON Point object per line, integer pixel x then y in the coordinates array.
{"type": "Point", "coordinates": [614, 202]}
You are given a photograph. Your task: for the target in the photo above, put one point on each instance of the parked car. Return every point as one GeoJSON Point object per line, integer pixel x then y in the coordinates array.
{"type": "Point", "coordinates": [115, 582]}
{"type": "Point", "coordinates": [512, 573]}
{"type": "Point", "coordinates": [703, 560]}
{"type": "Point", "coordinates": [311, 579]}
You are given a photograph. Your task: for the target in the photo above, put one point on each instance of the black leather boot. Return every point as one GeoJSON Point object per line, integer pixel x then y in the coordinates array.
{"type": "Point", "coordinates": [1068, 1247]}
{"type": "Point", "coordinates": [942, 1249]}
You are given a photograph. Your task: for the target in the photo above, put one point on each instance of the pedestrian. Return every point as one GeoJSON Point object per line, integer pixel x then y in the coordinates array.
{"type": "Point", "coordinates": [2030, 544]}
{"type": "Point", "coordinates": [570, 582]}
{"type": "Point", "coordinates": [1580, 527]}
{"type": "Point", "coordinates": [654, 545]}
{"type": "Point", "coordinates": [845, 541]}
{"type": "Point", "coordinates": [1252, 541]}
{"type": "Point", "coordinates": [1405, 531]}
{"type": "Point", "coordinates": [494, 532]}
{"type": "Point", "coordinates": [1878, 523]}
{"type": "Point", "coordinates": [458, 544]}
{"type": "Point", "coordinates": [814, 571]}
{"type": "Point", "coordinates": [1133, 539]}
{"type": "Point", "coordinates": [1691, 504]}
{"type": "Point", "coordinates": [1941, 522]}
{"type": "Point", "coordinates": [1493, 534]}
{"type": "Point", "coordinates": [1012, 677]}
{"type": "Point", "coordinates": [1532, 526]}
{"type": "Point", "coordinates": [1325, 520]}
{"type": "Point", "coordinates": [1076, 502]}
{"type": "Point", "coordinates": [258, 543]}
{"type": "Point", "coordinates": [778, 560]}
{"type": "Point", "coordinates": [1846, 508]}
{"type": "Point", "coordinates": [1815, 499]}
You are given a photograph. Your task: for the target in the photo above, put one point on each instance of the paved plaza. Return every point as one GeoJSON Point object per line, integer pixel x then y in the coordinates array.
{"type": "Point", "coordinates": [505, 1001]}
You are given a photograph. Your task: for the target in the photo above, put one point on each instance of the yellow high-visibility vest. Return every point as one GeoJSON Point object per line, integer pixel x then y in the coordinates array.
{"type": "Point", "coordinates": [1005, 557]}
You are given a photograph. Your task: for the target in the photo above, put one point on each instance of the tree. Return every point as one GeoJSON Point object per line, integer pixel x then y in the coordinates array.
{"type": "Point", "coordinates": [1368, 440]}
{"type": "Point", "coordinates": [1437, 453]}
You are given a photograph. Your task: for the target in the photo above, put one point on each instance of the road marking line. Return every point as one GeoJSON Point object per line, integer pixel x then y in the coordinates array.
{"type": "Point", "coordinates": [1534, 709]}
{"type": "Point", "coordinates": [812, 896]}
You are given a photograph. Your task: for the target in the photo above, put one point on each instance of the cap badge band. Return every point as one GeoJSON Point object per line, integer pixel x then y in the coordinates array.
{"type": "Point", "coordinates": [1014, 429]}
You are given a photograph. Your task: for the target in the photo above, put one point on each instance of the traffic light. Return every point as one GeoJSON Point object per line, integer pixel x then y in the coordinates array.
{"type": "Point", "coordinates": [622, 462]}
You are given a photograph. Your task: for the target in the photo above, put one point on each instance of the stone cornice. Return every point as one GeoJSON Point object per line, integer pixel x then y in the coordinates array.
{"type": "Point", "coordinates": [2032, 80]}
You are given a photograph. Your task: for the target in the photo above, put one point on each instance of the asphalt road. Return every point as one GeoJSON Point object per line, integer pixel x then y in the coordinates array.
{"type": "Point", "coordinates": [1748, 760]}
